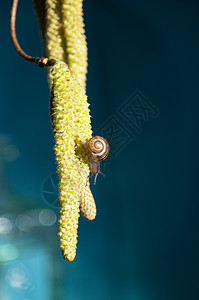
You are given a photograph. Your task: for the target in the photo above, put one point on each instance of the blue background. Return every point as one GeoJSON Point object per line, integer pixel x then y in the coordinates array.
{"type": "Point", "coordinates": [144, 242]}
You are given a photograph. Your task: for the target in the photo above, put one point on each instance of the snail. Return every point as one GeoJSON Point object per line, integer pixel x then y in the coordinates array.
{"type": "Point", "coordinates": [97, 149]}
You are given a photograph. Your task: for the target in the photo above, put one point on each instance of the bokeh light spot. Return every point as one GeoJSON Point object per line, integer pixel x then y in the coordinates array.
{"type": "Point", "coordinates": [47, 217]}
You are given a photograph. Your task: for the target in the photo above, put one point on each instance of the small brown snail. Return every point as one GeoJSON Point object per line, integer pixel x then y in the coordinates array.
{"type": "Point", "coordinates": [97, 149]}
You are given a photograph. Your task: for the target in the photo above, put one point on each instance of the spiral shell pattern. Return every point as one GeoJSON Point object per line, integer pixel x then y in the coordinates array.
{"type": "Point", "coordinates": [98, 147]}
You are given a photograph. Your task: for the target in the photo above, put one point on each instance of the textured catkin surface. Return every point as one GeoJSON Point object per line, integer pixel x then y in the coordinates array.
{"type": "Point", "coordinates": [54, 41]}
{"type": "Point", "coordinates": [83, 126]}
{"type": "Point", "coordinates": [70, 117]}
{"type": "Point", "coordinates": [64, 39]}
{"type": "Point", "coordinates": [73, 25]}
{"type": "Point", "coordinates": [87, 203]}
{"type": "Point", "coordinates": [62, 27]}
{"type": "Point", "coordinates": [63, 123]}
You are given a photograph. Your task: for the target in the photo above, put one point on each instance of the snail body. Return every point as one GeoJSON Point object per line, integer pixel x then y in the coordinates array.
{"type": "Point", "coordinates": [97, 149]}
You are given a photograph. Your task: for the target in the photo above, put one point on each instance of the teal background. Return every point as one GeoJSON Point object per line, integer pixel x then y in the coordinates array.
{"type": "Point", "coordinates": [144, 242]}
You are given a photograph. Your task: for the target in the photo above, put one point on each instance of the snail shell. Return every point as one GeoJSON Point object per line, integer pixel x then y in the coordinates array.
{"type": "Point", "coordinates": [98, 147]}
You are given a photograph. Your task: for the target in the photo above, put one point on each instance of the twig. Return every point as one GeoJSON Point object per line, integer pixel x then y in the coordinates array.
{"type": "Point", "coordinates": [36, 60]}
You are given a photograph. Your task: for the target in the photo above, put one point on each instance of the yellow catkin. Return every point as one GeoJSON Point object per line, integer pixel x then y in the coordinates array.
{"type": "Point", "coordinates": [83, 126]}
{"type": "Point", "coordinates": [70, 118]}
{"type": "Point", "coordinates": [63, 123]}
{"type": "Point", "coordinates": [54, 43]}
{"type": "Point", "coordinates": [54, 32]}
{"type": "Point", "coordinates": [74, 33]}
{"type": "Point", "coordinates": [64, 36]}
{"type": "Point", "coordinates": [87, 203]}
{"type": "Point", "coordinates": [64, 40]}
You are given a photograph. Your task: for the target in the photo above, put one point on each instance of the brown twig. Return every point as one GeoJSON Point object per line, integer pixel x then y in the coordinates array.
{"type": "Point", "coordinates": [40, 61]}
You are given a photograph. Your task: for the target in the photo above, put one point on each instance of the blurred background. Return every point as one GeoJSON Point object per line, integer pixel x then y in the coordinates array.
{"type": "Point", "coordinates": [143, 90]}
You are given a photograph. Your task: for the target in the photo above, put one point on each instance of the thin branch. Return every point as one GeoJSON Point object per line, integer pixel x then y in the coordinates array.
{"type": "Point", "coordinates": [13, 33]}
{"type": "Point", "coordinates": [40, 61]}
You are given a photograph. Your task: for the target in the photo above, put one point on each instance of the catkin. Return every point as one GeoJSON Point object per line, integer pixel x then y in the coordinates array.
{"type": "Point", "coordinates": [70, 117]}
{"type": "Point", "coordinates": [74, 33]}
{"type": "Point", "coordinates": [64, 40]}
{"type": "Point", "coordinates": [63, 123]}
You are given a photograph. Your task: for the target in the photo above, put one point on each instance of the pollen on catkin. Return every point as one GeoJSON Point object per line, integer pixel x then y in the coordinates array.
{"type": "Point", "coordinates": [70, 117]}
{"type": "Point", "coordinates": [62, 109]}
{"type": "Point", "coordinates": [83, 125]}
{"type": "Point", "coordinates": [64, 40]}
{"type": "Point", "coordinates": [54, 43]}
{"type": "Point", "coordinates": [74, 33]}
{"type": "Point", "coordinates": [64, 34]}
